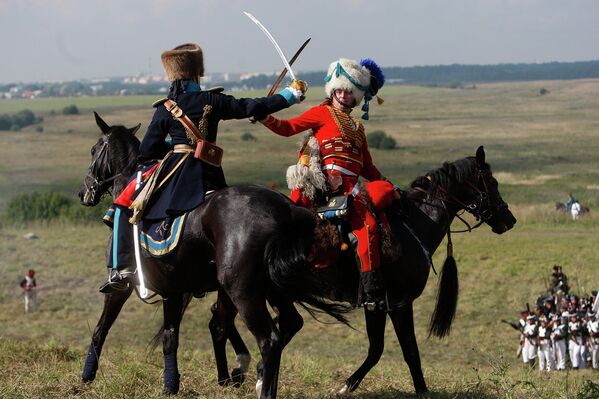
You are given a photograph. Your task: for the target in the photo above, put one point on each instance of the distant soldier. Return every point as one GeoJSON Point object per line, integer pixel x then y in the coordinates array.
{"type": "Point", "coordinates": [593, 328]}
{"type": "Point", "coordinates": [560, 333]}
{"type": "Point", "coordinates": [559, 281]}
{"type": "Point", "coordinates": [571, 201]}
{"type": "Point", "coordinates": [576, 342]}
{"type": "Point", "coordinates": [545, 346]}
{"type": "Point", "coordinates": [28, 284]}
{"type": "Point", "coordinates": [530, 332]}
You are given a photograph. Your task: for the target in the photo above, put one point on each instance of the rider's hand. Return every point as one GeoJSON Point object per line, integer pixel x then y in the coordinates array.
{"type": "Point", "coordinates": [294, 93]}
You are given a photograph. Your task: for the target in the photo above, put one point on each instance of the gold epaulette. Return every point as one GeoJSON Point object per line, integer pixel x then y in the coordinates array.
{"type": "Point", "coordinates": [158, 103]}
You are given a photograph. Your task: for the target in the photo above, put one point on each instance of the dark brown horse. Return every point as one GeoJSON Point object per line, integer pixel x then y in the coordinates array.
{"type": "Point", "coordinates": [251, 244]}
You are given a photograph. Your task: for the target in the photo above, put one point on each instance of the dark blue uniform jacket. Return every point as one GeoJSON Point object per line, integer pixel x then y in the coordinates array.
{"type": "Point", "coordinates": [186, 188]}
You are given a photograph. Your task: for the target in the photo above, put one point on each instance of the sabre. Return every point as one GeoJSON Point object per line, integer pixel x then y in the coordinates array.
{"type": "Point", "coordinates": [274, 42]}
{"type": "Point", "coordinates": [143, 291]}
{"type": "Point", "coordinates": [284, 71]}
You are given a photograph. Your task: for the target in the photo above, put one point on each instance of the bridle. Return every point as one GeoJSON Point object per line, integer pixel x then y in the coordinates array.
{"type": "Point", "coordinates": [100, 157]}
{"type": "Point", "coordinates": [480, 206]}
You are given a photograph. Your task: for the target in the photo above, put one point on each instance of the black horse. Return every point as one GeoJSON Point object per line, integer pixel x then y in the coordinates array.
{"type": "Point", "coordinates": [224, 247]}
{"type": "Point", "coordinates": [271, 237]}
{"type": "Point", "coordinates": [425, 217]}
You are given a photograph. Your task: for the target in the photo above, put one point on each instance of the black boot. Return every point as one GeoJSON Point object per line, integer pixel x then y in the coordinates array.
{"type": "Point", "coordinates": [374, 290]}
{"type": "Point", "coordinates": [119, 280]}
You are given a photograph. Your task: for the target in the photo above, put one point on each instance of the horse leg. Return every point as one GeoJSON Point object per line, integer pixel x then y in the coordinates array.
{"type": "Point", "coordinates": [403, 322]}
{"type": "Point", "coordinates": [375, 328]}
{"type": "Point", "coordinates": [255, 315]}
{"type": "Point", "coordinates": [172, 307]}
{"type": "Point", "coordinates": [113, 303]}
{"type": "Point", "coordinates": [222, 326]}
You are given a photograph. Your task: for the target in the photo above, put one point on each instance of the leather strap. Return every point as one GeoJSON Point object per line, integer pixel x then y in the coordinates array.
{"type": "Point", "coordinates": [178, 114]}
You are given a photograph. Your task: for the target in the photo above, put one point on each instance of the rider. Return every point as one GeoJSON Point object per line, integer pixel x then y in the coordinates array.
{"type": "Point", "coordinates": [337, 146]}
{"type": "Point", "coordinates": [181, 179]}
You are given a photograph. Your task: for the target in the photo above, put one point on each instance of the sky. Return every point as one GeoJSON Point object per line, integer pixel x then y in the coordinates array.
{"type": "Point", "coordinates": [52, 40]}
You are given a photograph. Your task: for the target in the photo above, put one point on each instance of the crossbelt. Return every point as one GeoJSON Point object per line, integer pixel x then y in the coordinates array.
{"type": "Point", "coordinates": [341, 169]}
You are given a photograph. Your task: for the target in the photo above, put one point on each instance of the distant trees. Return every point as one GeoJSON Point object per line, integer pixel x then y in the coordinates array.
{"type": "Point", "coordinates": [16, 122]}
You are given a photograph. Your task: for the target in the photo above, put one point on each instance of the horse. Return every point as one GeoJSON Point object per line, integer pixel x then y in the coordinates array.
{"type": "Point", "coordinates": [429, 207]}
{"type": "Point", "coordinates": [575, 210]}
{"type": "Point", "coordinates": [425, 217]}
{"type": "Point", "coordinates": [223, 249]}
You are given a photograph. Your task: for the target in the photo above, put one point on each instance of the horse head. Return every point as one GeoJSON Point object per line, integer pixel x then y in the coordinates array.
{"type": "Point", "coordinates": [114, 152]}
{"type": "Point", "coordinates": [468, 184]}
{"type": "Point", "coordinates": [483, 199]}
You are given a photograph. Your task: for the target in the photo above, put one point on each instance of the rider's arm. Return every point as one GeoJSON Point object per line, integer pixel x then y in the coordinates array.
{"type": "Point", "coordinates": [230, 107]}
{"type": "Point", "coordinates": [153, 145]}
{"type": "Point", "coordinates": [288, 127]}
{"type": "Point", "coordinates": [369, 170]}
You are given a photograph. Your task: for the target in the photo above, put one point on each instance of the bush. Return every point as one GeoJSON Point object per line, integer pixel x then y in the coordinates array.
{"type": "Point", "coordinates": [39, 129]}
{"type": "Point", "coordinates": [70, 110]}
{"type": "Point", "coordinates": [51, 205]}
{"type": "Point", "coordinates": [19, 120]}
{"type": "Point", "coordinates": [379, 139]}
{"type": "Point", "coordinates": [247, 136]}
{"type": "Point", "coordinates": [543, 91]}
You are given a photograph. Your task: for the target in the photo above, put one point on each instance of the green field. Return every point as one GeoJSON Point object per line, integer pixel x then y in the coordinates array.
{"type": "Point", "coordinates": [540, 148]}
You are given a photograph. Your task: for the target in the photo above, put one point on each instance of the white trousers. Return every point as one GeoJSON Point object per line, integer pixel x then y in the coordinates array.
{"type": "Point", "coordinates": [575, 345]}
{"type": "Point", "coordinates": [595, 352]}
{"type": "Point", "coordinates": [30, 301]}
{"type": "Point", "coordinates": [545, 352]}
{"type": "Point", "coordinates": [529, 352]}
{"type": "Point", "coordinates": [560, 354]}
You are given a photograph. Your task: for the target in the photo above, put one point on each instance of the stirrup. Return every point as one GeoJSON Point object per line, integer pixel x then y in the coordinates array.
{"type": "Point", "coordinates": [118, 281]}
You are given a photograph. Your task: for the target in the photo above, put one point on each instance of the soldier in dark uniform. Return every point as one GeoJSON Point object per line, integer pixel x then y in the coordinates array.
{"type": "Point", "coordinates": [183, 179]}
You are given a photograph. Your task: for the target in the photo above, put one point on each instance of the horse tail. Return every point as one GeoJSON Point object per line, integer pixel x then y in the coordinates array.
{"type": "Point", "coordinates": [286, 256]}
{"type": "Point", "coordinates": [187, 297]}
{"type": "Point", "coordinates": [447, 299]}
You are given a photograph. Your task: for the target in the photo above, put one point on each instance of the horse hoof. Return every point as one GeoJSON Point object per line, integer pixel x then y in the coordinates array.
{"type": "Point", "coordinates": [343, 392]}
{"type": "Point", "coordinates": [237, 377]}
{"type": "Point", "coordinates": [259, 387]}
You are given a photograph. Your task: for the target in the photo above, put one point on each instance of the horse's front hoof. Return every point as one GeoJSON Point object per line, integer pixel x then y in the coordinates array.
{"type": "Point", "coordinates": [237, 377]}
{"type": "Point", "coordinates": [259, 387]}
{"type": "Point", "coordinates": [422, 393]}
{"type": "Point", "coordinates": [171, 385]}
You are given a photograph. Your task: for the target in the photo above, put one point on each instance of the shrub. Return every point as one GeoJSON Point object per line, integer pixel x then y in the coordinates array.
{"type": "Point", "coordinates": [39, 129]}
{"type": "Point", "coordinates": [543, 91]}
{"type": "Point", "coordinates": [19, 120]}
{"type": "Point", "coordinates": [70, 110]}
{"type": "Point", "coordinates": [51, 205]}
{"type": "Point", "coordinates": [379, 139]}
{"type": "Point", "coordinates": [247, 136]}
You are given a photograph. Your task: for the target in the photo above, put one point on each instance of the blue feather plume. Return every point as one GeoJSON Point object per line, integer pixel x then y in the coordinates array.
{"type": "Point", "coordinates": [374, 70]}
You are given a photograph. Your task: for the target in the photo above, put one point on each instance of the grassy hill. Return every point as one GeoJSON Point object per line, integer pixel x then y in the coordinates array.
{"type": "Point", "coordinates": [540, 147]}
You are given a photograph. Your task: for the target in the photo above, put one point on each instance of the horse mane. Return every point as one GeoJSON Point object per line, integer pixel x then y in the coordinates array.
{"type": "Point", "coordinates": [458, 171]}
{"type": "Point", "coordinates": [124, 146]}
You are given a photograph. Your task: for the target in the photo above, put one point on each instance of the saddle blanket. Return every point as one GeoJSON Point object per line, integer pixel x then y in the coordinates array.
{"type": "Point", "coordinates": [157, 238]}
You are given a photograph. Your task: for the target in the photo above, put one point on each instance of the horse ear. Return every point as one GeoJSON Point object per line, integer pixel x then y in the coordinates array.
{"type": "Point", "coordinates": [101, 124]}
{"type": "Point", "coordinates": [480, 155]}
{"type": "Point", "coordinates": [135, 129]}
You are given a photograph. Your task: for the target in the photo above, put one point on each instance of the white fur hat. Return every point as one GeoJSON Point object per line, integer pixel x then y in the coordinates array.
{"type": "Point", "coordinates": [347, 75]}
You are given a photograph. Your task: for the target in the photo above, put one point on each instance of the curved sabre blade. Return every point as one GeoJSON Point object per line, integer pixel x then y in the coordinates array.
{"type": "Point", "coordinates": [274, 42]}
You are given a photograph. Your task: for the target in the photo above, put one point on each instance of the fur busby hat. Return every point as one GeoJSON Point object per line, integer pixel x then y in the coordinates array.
{"type": "Point", "coordinates": [347, 75]}
{"type": "Point", "coordinates": [364, 79]}
{"type": "Point", "coordinates": [183, 62]}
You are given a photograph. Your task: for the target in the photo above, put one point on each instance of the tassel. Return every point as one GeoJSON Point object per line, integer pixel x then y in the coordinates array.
{"type": "Point", "coordinates": [365, 107]}
{"type": "Point", "coordinates": [379, 100]}
{"type": "Point", "coordinates": [365, 116]}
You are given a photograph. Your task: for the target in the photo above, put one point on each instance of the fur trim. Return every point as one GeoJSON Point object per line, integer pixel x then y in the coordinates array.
{"type": "Point", "coordinates": [308, 179]}
{"type": "Point", "coordinates": [183, 62]}
{"type": "Point", "coordinates": [357, 72]}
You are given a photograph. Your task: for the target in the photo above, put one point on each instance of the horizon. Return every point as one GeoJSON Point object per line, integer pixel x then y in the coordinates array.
{"type": "Point", "coordinates": [66, 40]}
{"type": "Point", "coordinates": [273, 72]}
